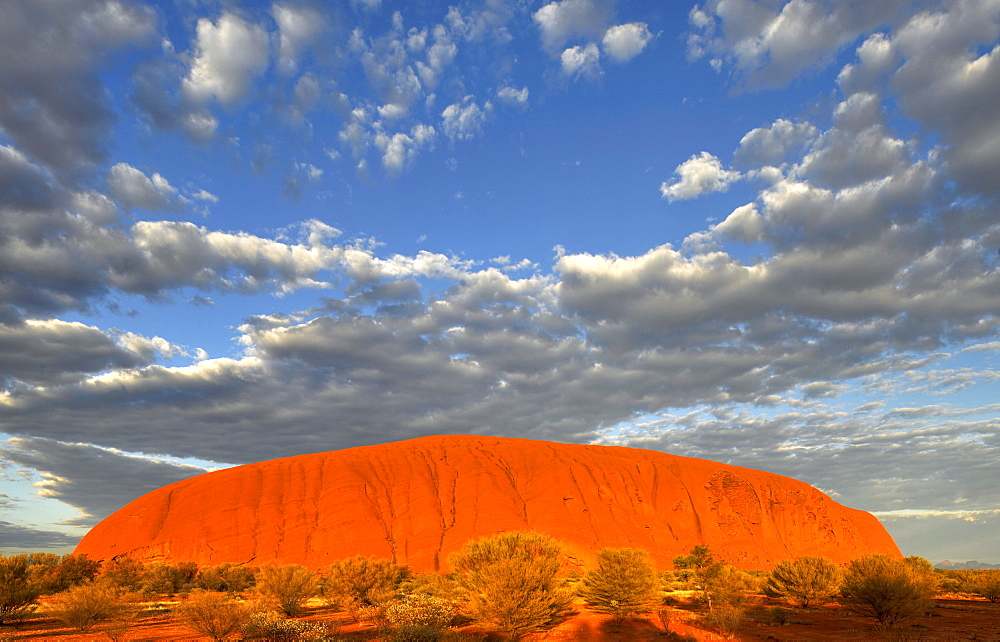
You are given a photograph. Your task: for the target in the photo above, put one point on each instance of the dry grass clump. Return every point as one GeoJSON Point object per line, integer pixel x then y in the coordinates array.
{"type": "Point", "coordinates": [213, 614]}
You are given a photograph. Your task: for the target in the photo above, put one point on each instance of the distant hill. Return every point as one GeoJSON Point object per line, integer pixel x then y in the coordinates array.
{"type": "Point", "coordinates": [416, 501]}
{"type": "Point", "coordinates": [972, 564]}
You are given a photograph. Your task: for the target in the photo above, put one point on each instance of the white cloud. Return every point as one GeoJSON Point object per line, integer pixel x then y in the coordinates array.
{"type": "Point", "coordinates": [773, 145]}
{"type": "Point", "coordinates": [229, 54]}
{"type": "Point", "coordinates": [559, 21]}
{"type": "Point", "coordinates": [771, 43]}
{"type": "Point", "coordinates": [397, 149]}
{"type": "Point", "coordinates": [624, 42]}
{"type": "Point", "coordinates": [298, 27]}
{"type": "Point", "coordinates": [465, 120]}
{"type": "Point", "coordinates": [131, 188]}
{"type": "Point", "coordinates": [700, 174]}
{"type": "Point", "coordinates": [513, 96]}
{"type": "Point", "coordinates": [582, 60]}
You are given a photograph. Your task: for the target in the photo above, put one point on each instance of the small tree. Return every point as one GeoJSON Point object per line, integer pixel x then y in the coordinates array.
{"type": "Point", "coordinates": [213, 614]}
{"type": "Point", "coordinates": [804, 581]}
{"type": "Point", "coordinates": [888, 589]}
{"type": "Point", "coordinates": [85, 605]}
{"type": "Point", "coordinates": [290, 586]}
{"type": "Point", "coordinates": [624, 583]}
{"type": "Point", "coordinates": [703, 569]}
{"type": "Point", "coordinates": [359, 582]}
{"type": "Point", "coordinates": [18, 592]}
{"type": "Point", "coordinates": [513, 581]}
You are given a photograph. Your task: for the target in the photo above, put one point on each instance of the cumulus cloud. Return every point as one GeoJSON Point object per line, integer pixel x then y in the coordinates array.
{"type": "Point", "coordinates": [52, 105]}
{"type": "Point", "coordinates": [773, 145]}
{"type": "Point", "coordinates": [768, 44]}
{"type": "Point", "coordinates": [399, 148]}
{"type": "Point", "coordinates": [133, 189]}
{"type": "Point", "coordinates": [229, 54]}
{"type": "Point", "coordinates": [513, 96]}
{"type": "Point", "coordinates": [465, 120]}
{"type": "Point", "coordinates": [582, 60]}
{"type": "Point", "coordinates": [47, 352]}
{"type": "Point", "coordinates": [701, 174]}
{"type": "Point", "coordinates": [298, 27]}
{"type": "Point", "coordinates": [624, 42]}
{"type": "Point", "coordinates": [560, 21]}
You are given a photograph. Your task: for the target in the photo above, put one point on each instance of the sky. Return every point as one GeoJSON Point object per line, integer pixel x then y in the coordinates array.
{"type": "Point", "coordinates": [762, 233]}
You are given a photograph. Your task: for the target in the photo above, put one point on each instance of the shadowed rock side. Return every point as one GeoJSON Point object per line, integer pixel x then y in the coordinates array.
{"type": "Point", "coordinates": [416, 501]}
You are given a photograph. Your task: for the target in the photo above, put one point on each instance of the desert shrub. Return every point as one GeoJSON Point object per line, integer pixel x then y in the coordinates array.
{"type": "Point", "coordinates": [18, 592]}
{"type": "Point", "coordinates": [100, 601]}
{"type": "Point", "coordinates": [513, 581]}
{"type": "Point", "coordinates": [624, 583]}
{"type": "Point", "coordinates": [804, 581]}
{"type": "Point", "coordinates": [273, 627]}
{"type": "Point", "coordinates": [888, 589]}
{"type": "Point", "coordinates": [776, 616]}
{"type": "Point", "coordinates": [421, 610]}
{"type": "Point", "coordinates": [360, 582]}
{"type": "Point", "coordinates": [213, 614]}
{"type": "Point", "coordinates": [290, 585]}
{"type": "Point", "coordinates": [987, 585]}
{"type": "Point", "coordinates": [730, 587]}
{"type": "Point", "coordinates": [158, 578]}
{"type": "Point", "coordinates": [442, 586]}
{"type": "Point", "coordinates": [69, 571]}
{"type": "Point", "coordinates": [124, 572]}
{"type": "Point", "coordinates": [229, 578]}
{"type": "Point", "coordinates": [726, 619]}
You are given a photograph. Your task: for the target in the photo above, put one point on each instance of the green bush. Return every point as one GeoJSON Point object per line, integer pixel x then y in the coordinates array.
{"type": "Point", "coordinates": [804, 581]}
{"type": "Point", "coordinates": [514, 581]}
{"type": "Point", "coordinates": [623, 584]}
{"type": "Point", "coordinates": [290, 586]}
{"type": "Point", "coordinates": [18, 592]}
{"type": "Point", "coordinates": [890, 590]}
{"type": "Point", "coordinates": [101, 601]}
{"type": "Point", "coordinates": [213, 614]}
{"type": "Point", "coordinates": [362, 582]}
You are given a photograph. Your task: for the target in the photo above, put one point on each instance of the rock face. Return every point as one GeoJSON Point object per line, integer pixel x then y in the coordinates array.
{"type": "Point", "coordinates": [416, 501]}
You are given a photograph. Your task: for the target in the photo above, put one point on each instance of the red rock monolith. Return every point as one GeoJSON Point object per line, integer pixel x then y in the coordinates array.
{"type": "Point", "coordinates": [416, 501]}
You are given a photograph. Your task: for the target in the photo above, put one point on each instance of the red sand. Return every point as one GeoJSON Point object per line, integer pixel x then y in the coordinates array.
{"type": "Point", "coordinates": [416, 501]}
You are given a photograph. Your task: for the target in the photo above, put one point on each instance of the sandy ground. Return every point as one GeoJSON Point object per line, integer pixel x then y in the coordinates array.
{"type": "Point", "coordinates": [951, 618]}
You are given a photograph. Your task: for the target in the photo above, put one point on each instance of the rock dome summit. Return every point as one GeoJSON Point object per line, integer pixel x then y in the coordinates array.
{"type": "Point", "coordinates": [416, 501]}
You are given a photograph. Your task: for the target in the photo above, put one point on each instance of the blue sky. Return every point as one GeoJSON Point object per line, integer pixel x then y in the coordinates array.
{"type": "Point", "coordinates": [763, 233]}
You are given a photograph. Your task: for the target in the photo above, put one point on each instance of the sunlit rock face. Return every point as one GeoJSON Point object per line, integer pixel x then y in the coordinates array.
{"type": "Point", "coordinates": [416, 501]}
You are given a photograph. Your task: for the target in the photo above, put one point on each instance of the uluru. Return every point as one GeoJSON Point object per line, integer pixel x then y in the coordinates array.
{"type": "Point", "coordinates": [416, 501]}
